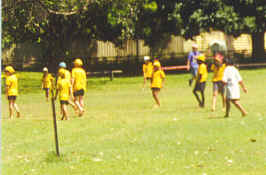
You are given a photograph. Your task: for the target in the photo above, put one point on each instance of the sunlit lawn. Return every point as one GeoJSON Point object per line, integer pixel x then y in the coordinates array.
{"type": "Point", "coordinates": [120, 133]}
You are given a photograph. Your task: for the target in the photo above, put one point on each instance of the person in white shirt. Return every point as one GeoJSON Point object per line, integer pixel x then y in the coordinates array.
{"type": "Point", "coordinates": [232, 79]}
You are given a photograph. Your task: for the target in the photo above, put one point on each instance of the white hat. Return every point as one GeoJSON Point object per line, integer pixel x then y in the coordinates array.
{"type": "Point", "coordinates": [45, 69]}
{"type": "Point", "coordinates": [146, 58]}
{"type": "Point", "coordinates": [194, 46]}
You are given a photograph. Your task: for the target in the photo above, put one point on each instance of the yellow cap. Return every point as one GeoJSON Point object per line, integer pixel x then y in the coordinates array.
{"type": "Point", "coordinates": [201, 57]}
{"type": "Point", "coordinates": [157, 64]}
{"type": "Point", "coordinates": [10, 69]}
{"type": "Point", "coordinates": [78, 62]}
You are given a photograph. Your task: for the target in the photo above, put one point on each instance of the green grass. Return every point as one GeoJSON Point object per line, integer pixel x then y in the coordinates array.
{"type": "Point", "coordinates": [121, 134]}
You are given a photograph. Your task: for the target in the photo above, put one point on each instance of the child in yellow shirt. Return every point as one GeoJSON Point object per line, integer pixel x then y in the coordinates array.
{"type": "Point", "coordinates": [147, 69]}
{"type": "Point", "coordinates": [79, 81]}
{"type": "Point", "coordinates": [47, 82]}
{"type": "Point", "coordinates": [201, 80]}
{"type": "Point", "coordinates": [64, 90]}
{"type": "Point", "coordinates": [12, 90]}
{"type": "Point", "coordinates": [218, 86]}
{"type": "Point", "coordinates": [157, 81]}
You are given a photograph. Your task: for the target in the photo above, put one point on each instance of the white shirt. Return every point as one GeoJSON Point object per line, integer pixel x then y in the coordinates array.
{"type": "Point", "coordinates": [232, 78]}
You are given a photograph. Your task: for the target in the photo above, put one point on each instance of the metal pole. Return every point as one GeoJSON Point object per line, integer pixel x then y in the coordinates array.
{"type": "Point", "coordinates": [55, 126]}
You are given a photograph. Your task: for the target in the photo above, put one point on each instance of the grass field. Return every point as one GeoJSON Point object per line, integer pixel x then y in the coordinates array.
{"type": "Point", "coordinates": [120, 133]}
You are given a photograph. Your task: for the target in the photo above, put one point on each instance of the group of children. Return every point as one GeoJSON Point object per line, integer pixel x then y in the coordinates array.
{"type": "Point", "coordinates": [70, 87]}
{"type": "Point", "coordinates": [226, 78]}
{"type": "Point", "coordinates": [153, 72]}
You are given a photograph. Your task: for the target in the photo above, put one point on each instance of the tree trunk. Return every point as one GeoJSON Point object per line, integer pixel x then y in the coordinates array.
{"type": "Point", "coordinates": [258, 51]}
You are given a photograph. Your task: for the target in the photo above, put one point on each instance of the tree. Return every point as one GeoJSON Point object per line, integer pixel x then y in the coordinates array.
{"type": "Point", "coordinates": [156, 21]}
{"type": "Point", "coordinates": [231, 17]}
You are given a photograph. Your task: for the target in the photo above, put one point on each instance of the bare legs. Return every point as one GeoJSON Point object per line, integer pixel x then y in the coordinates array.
{"type": "Point", "coordinates": [202, 100]}
{"type": "Point", "coordinates": [214, 100]}
{"type": "Point", "coordinates": [64, 112]}
{"type": "Point", "coordinates": [79, 102]}
{"type": "Point", "coordinates": [13, 107]}
{"type": "Point", "coordinates": [155, 93]}
{"type": "Point", "coordinates": [237, 104]}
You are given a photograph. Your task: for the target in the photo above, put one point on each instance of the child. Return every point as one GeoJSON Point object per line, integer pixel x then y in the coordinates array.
{"type": "Point", "coordinates": [201, 80]}
{"type": "Point", "coordinates": [218, 86]}
{"type": "Point", "coordinates": [232, 79]}
{"type": "Point", "coordinates": [157, 81]}
{"type": "Point", "coordinates": [147, 69]}
{"type": "Point", "coordinates": [47, 82]}
{"type": "Point", "coordinates": [63, 70]}
{"type": "Point", "coordinates": [79, 81]}
{"type": "Point", "coordinates": [12, 90]}
{"type": "Point", "coordinates": [64, 90]}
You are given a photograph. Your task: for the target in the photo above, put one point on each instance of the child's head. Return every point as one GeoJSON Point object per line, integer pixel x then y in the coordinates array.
{"type": "Point", "coordinates": [146, 58]}
{"type": "Point", "coordinates": [201, 59]}
{"type": "Point", "coordinates": [78, 62]}
{"type": "Point", "coordinates": [156, 66]}
{"type": "Point", "coordinates": [9, 70]}
{"type": "Point", "coordinates": [45, 70]}
{"type": "Point", "coordinates": [194, 47]}
{"type": "Point", "coordinates": [62, 65]}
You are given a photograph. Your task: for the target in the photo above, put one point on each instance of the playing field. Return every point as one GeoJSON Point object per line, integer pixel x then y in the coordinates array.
{"type": "Point", "coordinates": [120, 133]}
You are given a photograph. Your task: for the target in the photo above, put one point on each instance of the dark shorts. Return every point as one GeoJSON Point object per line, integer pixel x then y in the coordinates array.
{"type": "Point", "coordinates": [63, 102]}
{"type": "Point", "coordinates": [12, 97]}
{"type": "Point", "coordinates": [79, 93]}
{"type": "Point", "coordinates": [194, 71]}
{"type": "Point", "coordinates": [155, 89]}
{"type": "Point", "coordinates": [45, 89]}
{"type": "Point", "coordinates": [148, 78]}
{"type": "Point", "coordinates": [200, 86]}
{"type": "Point", "coordinates": [218, 86]}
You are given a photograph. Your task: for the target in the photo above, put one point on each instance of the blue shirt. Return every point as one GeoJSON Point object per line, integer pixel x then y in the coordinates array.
{"type": "Point", "coordinates": [192, 59]}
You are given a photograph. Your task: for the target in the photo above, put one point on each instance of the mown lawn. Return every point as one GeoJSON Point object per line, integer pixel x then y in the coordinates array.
{"type": "Point", "coordinates": [120, 133]}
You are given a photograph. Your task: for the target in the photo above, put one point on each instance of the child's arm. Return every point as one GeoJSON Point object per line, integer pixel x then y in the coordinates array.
{"type": "Point", "coordinates": [243, 87]}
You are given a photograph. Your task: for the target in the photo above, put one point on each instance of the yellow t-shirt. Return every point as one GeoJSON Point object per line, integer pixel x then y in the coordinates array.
{"type": "Point", "coordinates": [218, 72]}
{"type": "Point", "coordinates": [203, 72]}
{"type": "Point", "coordinates": [63, 86]}
{"type": "Point", "coordinates": [79, 79]}
{"type": "Point", "coordinates": [147, 70]}
{"type": "Point", "coordinates": [157, 79]}
{"type": "Point", "coordinates": [66, 73]}
{"type": "Point", "coordinates": [47, 81]}
{"type": "Point", "coordinates": [12, 85]}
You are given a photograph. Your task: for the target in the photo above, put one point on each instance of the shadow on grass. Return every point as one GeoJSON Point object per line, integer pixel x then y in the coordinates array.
{"type": "Point", "coordinates": [53, 158]}
{"type": "Point", "coordinates": [218, 117]}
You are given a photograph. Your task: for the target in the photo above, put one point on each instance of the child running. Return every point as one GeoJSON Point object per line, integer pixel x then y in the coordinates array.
{"type": "Point", "coordinates": [218, 86]}
{"type": "Point", "coordinates": [147, 70]}
{"type": "Point", "coordinates": [157, 81]}
{"type": "Point", "coordinates": [12, 91]}
{"type": "Point", "coordinates": [201, 80]}
{"type": "Point", "coordinates": [47, 82]}
{"type": "Point", "coordinates": [232, 79]}
{"type": "Point", "coordinates": [79, 81]}
{"type": "Point", "coordinates": [64, 90]}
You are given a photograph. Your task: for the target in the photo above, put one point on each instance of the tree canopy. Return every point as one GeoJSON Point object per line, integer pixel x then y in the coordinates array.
{"type": "Point", "coordinates": [52, 23]}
